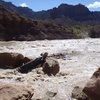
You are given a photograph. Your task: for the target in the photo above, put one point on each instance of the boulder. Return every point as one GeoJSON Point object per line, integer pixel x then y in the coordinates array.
{"type": "Point", "coordinates": [78, 93]}
{"type": "Point", "coordinates": [14, 92]}
{"type": "Point", "coordinates": [51, 66]}
{"type": "Point", "coordinates": [92, 88]}
{"type": "Point", "coordinates": [12, 60]}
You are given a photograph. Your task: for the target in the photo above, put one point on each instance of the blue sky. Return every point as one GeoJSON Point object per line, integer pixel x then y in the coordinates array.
{"type": "Point", "coordinates": [38, 5]}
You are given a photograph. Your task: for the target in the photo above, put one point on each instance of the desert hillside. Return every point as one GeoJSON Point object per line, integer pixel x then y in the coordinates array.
{"type": "Point", "coordinates": [62, 22]}
{"type": "Point", "coordinates": [15, 27]}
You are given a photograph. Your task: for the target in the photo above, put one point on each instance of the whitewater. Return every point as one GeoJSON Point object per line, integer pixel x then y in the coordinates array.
{"type": "Point", "coordinates": [81, 57]}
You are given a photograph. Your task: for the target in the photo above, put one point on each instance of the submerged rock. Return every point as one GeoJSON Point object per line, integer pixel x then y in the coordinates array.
{"type": "Point", "coordinates": [92, 88]}
{"type": "Point", "coordinates": [78, 94]}
{"type": "Point", "coordinates": [51, 66]}
{"type": "Point", "coordinates": [14, 92]}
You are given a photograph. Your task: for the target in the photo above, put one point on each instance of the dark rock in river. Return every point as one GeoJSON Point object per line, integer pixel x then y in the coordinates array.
{"type": "Point", "coordinates": [51, 67]}
{"type": "Point", "coordinates": [12, 60]}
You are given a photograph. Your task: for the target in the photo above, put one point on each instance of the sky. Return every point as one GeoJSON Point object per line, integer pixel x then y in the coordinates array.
{"type": "Point", "coordinates": [38, 5]}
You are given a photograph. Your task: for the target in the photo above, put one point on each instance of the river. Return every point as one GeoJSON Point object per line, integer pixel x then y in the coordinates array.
{"type": "Point", "coordinates": [81, 59]}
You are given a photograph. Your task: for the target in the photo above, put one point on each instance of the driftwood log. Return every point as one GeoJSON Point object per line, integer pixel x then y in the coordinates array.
{"type": "Point", "coordinates": [33, 64]}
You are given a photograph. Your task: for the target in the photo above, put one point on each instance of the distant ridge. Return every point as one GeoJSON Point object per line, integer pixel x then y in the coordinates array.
{"type": "Point", "coordinates": [74, 12]}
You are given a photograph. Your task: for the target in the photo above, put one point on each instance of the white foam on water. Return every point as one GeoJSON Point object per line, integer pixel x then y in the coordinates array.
{"type": "Point", "coordinates": [82, 59]}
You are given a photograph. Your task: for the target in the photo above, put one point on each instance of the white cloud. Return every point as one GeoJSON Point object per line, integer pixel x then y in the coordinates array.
{"type": "Point", "coordinates": [23, 5]}
{"type": "Point", "coordinates": [94, 5]}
